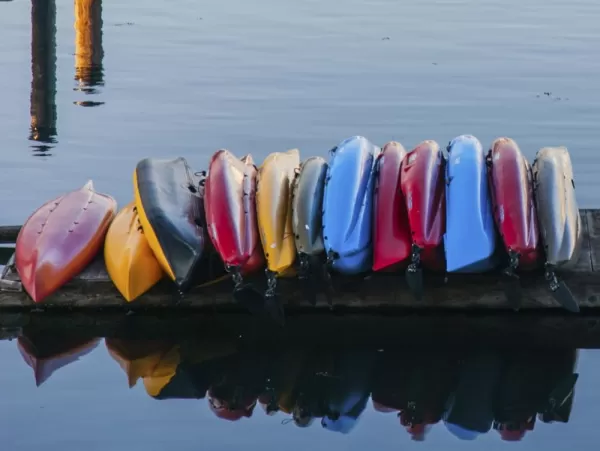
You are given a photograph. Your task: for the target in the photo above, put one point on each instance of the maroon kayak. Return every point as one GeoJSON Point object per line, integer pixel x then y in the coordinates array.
{"type": "Point", "coordinates": [392, 240]}
{"type": "Point", "coordinates": [424, 188]}
{"type": "Point", "coordinates": [61, 238]}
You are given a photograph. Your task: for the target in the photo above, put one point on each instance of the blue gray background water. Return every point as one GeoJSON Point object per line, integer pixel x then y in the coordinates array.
{"type": "Point", "coordinates": [185, 78]}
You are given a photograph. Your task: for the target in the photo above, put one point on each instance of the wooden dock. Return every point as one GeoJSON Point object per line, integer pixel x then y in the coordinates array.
{"type": "Point", "coordinates": [93, 289]}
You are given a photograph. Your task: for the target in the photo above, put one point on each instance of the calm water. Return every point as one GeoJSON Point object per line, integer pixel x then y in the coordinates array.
{"type": "Point", "coordinates": [87, 89]}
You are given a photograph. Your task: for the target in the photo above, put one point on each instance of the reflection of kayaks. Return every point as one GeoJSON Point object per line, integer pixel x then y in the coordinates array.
{"type": "Point", "coordinates": [417, 385]}
{"type": "Point", "coordinates": [171, 211]}
{"type": "Point", "coordinates": [423, 185]}
{"type": "Point", "coordinates": [348, 206]}
{"type": "Point", "coordinates": [470, 409]}
{"type": "Point", "coordinates": [511, 189]}
{"type": "Point", "coordinates": [307, 221]}
{"type": "Point", "coordinates": [558, 217]}
{"type": "Point", "coordinates": [274, 208]}
{"type": "Point", "coordinates": [281, 386]}
{"type": "Point", "coordinates": [61, 238]}
{"type": "Point", "coordinates": [187, 370]}
{"type": "Point", "coordinates": [47, 354]}
{"type": "Point", "coordinates": [391, 230]}
{"type": "Point", "coordinates": [229, 196]}
{"type": "Point", "coordinates": [350, 390]}
{"type": "Point", "coordinates": [470, 240]}
{"type": "Point", "coordinates": [130, 263]}
{"type": "Point", "coordinates": [138, 358]}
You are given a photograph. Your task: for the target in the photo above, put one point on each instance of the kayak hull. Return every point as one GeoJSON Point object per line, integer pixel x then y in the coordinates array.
{"type": "Point", "coordinates": [470, 239]}
{"type": "Point", "coordinates": [61, 238]}
{"type": "Point", "coordinates": [423, 186]}
{"type": "Point", "coordinates": [511, 190]}
{"type": "Point", "coordinates": [274, 208]}
{"type": "Point", "coordinates": [229, 201]}
{"type": "Point", "coordinates": [392, 239]}
{"type": "Point", "coordinates": [558, 212]}
{"type": "Point", "coordinates": [130, 263]}
{"type": "Point", "coordinates": [348, 206]}
{"type": "Point", "coordinates": [168, 198]}
{"type": "Point", "coordinates": [307, 204]}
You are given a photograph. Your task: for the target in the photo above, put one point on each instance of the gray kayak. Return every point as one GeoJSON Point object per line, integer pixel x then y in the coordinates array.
{"type": "Point", "coordinates": [307, 206]}
{"type": "Point", "coordinates": [558, 213]}
{"type": "Point", "coordinates": [307, 223]}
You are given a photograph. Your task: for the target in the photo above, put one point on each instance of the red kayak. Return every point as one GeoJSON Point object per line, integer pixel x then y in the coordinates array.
{"type": "Point", "coordinates": [61, 238]}
{"type": "Point", "coordinates": [423, 185]}
{"type": "Point", "coordinates": [391, 237]}
{"type": "Point", "coordinates": [48, 353]}
{"type": "Point", "coordinates": [511, 188]}
{"type": "Point", "coordinates": [230, 190]}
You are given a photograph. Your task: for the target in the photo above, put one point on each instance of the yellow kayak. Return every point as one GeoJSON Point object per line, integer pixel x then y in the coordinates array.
{"type": "Point", "coordinates": [130, 262]}
{"type": "Point", "coordinates": [274, 208]}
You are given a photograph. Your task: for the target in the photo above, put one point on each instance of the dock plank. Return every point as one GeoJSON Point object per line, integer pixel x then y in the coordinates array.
{"type": "Point", "coordinates": [593, 219]}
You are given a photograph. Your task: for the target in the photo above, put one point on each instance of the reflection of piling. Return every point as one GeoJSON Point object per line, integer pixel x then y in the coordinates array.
{"type": "Point", "coordinates": [43, 71]}
{"type": "Point", "coordinates": [88, 45]}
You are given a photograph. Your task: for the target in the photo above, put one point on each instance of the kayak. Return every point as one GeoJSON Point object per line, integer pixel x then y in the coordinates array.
{"type": "Point", "coordinates": [392, 240]}
{"type": "Point", "coordinates": [348, 206]}
{"type": "Point", "coordinates": [558, 216]}
{"type": "Point", "coordinates": [511, 190]}
{"type": "Point", "coordinates": [229, 201]}
{"type": "Point", "coordinates": [61, 238]}
{"type": "Point", "coordinates": [423, 186]}
{"type": "Point", "coordinates": [274, 208]}
{"type": "Point", "coordinates": [307, 222]}
{"type": "Point", "coordinates": [171, 211]}
{"type": "Point", "coordinates": [138, 358]}
{"type": "Point", "coordinates": [470, 239]}
{"type": "Point", "coordinates": [46, 354]}
{"type": "Point", "coordinates": [130, 263]}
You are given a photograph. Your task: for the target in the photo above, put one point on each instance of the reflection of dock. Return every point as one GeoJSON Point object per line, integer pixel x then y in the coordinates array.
{"type": "Point", "coordinates": [469, 390]}
{"type": "Point", "coordinates": [89, 72]}
{"type": "Point", "coordinates": [43, 72]}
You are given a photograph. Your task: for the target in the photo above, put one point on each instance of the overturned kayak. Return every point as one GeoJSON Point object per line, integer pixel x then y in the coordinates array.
{"type": "Point", "coordinates": [274, 208]}
{"type": "Point", "coordinates": [391, 228]}
{"type": "Point", "coordinates": [558, 216]}
{"type": "Point", "coordinates": [470, 240]}
{"type": "Point", "coordinates": [130, 263]}
{"type": "Point", "coordinates": [171, 211]}
{"type": "Point", "coordinates": [348, 206]}
{"type": "Point", "coordinates": [423, 185]}
{"type": "Point", "coordinates": [61, 238]}
{"type": "Point", "coordinates": [229, 200]}
{"type": "Point", "coordinates": [307, 222]}
{"type": "Point", "coordinates": [511, 190]}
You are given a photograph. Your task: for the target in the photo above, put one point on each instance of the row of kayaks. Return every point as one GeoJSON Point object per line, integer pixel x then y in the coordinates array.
{"type": "Point", "coordinates": [364, 209]}
{"type": "Point", "coordinates": [470, 391]}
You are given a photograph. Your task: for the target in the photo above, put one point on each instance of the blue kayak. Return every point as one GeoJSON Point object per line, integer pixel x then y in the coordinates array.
{"type": "Point", "coordinates": [470, 239]}
{"type": "Point", "coordinates": [348, 206]}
